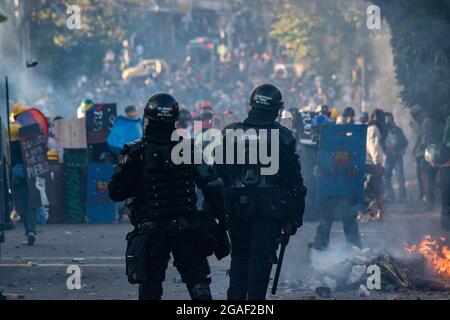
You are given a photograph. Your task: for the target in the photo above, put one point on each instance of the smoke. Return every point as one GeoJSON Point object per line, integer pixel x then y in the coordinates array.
{"type": "Point", "coordinates": [385, 95]}
{"type": "Point", "coordinates": [29, 85]}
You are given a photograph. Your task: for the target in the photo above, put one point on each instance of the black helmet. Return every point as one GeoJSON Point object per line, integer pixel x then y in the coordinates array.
{"type": "Point", "coordinates": [348, 112]}
{"type": "Point", "coordinates": [161, 108]}
{"type": "Point", "coordinates": [323, 109]}
{"type": "Point", "coordinates": [266, 97]}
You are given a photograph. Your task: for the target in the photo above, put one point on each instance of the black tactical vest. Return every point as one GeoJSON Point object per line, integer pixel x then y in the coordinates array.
{"type": "Point", "coordinates": [168, 190]}
{"type": "Point", "coordinates": [250, 193]}
{"type": "Point", "coordinates": [248, 176]}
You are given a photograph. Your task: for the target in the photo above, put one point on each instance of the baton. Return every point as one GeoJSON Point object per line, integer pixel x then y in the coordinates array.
{"type": "Point", "coordinates": [284, 240]}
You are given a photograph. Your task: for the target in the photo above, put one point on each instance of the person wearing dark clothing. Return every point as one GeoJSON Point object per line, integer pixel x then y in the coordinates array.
{"type": "Point", "coordinates": [394, 150]}
{"type": "Point", "coordinates": [20, 191]}
{"type": "Point", "coordinates": [426, 174]}
{"type": "Point", "coordinates": [331, 205]}
{"type": "Point", "coordinates": [445, 178]}
{"type": "Point", "coordinates": [261, 205]}
{"type": "Point", "coordinates": [163, 208]}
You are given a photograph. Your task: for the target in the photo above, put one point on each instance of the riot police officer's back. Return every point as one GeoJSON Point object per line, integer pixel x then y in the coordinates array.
{"type": "Point", "coordinates": [163, 208]}
{"type": "Point", "coordinates": [260, 205]}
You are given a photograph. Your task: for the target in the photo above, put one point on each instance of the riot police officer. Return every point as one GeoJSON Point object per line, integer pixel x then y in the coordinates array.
{"type": "Point", "coordinates": [163, 208]}
{"type": "Point", "coordinates": [260, 206]}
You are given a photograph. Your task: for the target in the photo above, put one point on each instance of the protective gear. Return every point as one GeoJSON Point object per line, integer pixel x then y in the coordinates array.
{"type": "Point", "coordinates": [53, 154]}
{"type": "Point", "coordinates": [167, 190]}
{"type": "Point", "coordinates": [323, 109]}
{"type": "Point", "coordinates": [18, 108]}
{"type": "Point", "coordinates": [14, 131]}
{"type": "Point", "coordinates": [436, 154]}
{"type": "Point", "coordinates": [348, 112]}
{"type": "Point", "coordinates": [334, 113]}
{"type": "Point", "coordinates": [364, 117]}
{"type": "Point", "coordinates": [164, 210]}
{"type": "Point", "coordinates": [161, 108]}
{"type": "Point", "coordinates": [85, 105]}
{"type": "Point", "coordinates": [266, 97]}
{"type": "Point", "coordinates": [160, 114]}
{"type": "Point", "coordinates": [259, 204]}
{"type": "Point", "coordinates": [205, 105]}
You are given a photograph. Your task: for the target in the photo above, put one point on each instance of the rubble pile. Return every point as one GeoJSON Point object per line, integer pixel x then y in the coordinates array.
{"type": "Point", "coordinates": [396, 272]}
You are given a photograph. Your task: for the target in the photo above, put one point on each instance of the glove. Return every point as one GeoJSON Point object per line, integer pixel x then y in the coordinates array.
{"type": "Point", "coordinates": [290, 228]}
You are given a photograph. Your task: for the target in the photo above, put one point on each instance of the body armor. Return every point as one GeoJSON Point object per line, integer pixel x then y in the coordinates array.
{"type": "Point", "coordinates": [168, 190]}
{"type": "Point", "coordinates": [250, 194]}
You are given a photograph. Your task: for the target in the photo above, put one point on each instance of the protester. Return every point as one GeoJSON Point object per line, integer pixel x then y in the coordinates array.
{"type": "Point", "coordinates": [426, 174]}
{"type": "Point", "coordinates": [364, 118]}
{"type": "Point", "coordinates": [374, 184]}
{"type": "Point", "coordinates": [394, 149]}
{"type": "Point", "coordinates": [20, 191]}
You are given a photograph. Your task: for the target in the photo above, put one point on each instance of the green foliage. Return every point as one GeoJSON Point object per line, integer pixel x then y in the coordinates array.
{"type": "Point", "coordinates": [67, 52]}
{"type": "Point", "coordinates": [322, 34]}
{"type": "Point", "coordinates": [3, 18]}
{"type": "Point", "coordinates": [421, 47]}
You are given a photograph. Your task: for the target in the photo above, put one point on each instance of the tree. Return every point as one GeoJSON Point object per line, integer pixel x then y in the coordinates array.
{"type": "Point", "coordinates": [69, 52]}
{"type": "Point", "coordinates": [421, 51]}
{"type": "Point", "coordinates": [323, 35]}
{"type": "Point", "coordinates": [3, 18]}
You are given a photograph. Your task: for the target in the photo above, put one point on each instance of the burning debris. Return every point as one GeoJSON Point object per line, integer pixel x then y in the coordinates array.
{"type": "Point", "coordinates": [369, 269]}
{"type": "Point", "coordinates": [435, 252]}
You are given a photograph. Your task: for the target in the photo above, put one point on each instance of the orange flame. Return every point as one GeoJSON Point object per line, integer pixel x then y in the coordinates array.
{"type": "Point", "coordinates": [436, 254]}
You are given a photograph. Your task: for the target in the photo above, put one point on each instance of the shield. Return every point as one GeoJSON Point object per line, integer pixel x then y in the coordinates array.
{"type": "Point", "coordinates": [34, 154]}
{"type": "Point", "coordinates": [341, 162]}
{"type": "Point", "coordinates": [32, 116]}
{"type": "Point", "coordinates": [75, 163]}
{"type": "Point", "coordinates": [100, 208]}
{"type": "Point", "coordinates": [303, 124]}
{"type": "Point", "coordinates": [100, 119]}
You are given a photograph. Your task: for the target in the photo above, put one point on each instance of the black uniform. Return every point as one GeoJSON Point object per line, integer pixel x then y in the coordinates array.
{"type": "Point", "coordinates": [259, 205]}
{"type": "Point", "coordinates": [163, 209]}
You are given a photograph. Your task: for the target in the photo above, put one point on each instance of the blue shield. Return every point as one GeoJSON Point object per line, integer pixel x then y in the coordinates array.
{"type": "Point", "coordinates": [341, 161]}
{"type": "Point", "coordinates": [100, 208]}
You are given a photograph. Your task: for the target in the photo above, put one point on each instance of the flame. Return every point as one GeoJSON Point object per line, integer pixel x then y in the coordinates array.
{"type": "Point", "coordinates": [436, 254]}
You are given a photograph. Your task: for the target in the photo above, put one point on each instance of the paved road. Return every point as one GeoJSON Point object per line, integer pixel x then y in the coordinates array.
{"type": "Point", "coordinates": [39, 272]}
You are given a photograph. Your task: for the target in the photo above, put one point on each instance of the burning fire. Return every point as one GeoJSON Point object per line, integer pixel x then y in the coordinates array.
{"type": "Point", "coordinates": [434, 253]}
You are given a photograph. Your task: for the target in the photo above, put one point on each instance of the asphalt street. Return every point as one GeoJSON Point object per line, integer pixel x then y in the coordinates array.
{"type": "Point", "coordinates": [39, 271]}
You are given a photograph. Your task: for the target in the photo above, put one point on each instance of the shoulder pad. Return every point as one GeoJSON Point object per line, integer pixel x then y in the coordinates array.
{"type": "Point", "coordinates": [234, 125]}
{"type": "Point", "coordinates": [133, 146]}
{"type": "Point", "coordinates": [286, 135]}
